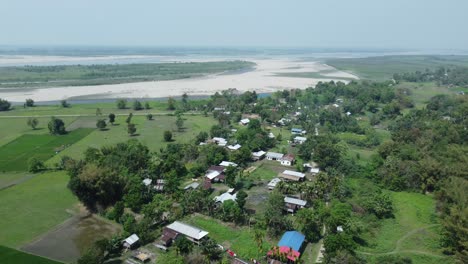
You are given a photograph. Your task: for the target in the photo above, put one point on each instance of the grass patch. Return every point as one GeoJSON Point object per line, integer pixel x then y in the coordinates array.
{"type": "Point", "coordinates": [238, 239]}
{"type": "Point", "coordinates": [34, 207]}
{"type": "Point", "coordinates": [313, 75]}
{"type": "Point", "coordinates": [14, 156]}
{"type": "Point", "coordinates": [11, 178]}
{"type": "Point", "coordinates": [263, 173]}
{"type": "Point", "coordinates": [13, 256]}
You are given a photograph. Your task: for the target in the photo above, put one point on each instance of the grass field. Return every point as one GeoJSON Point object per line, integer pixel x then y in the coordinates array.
{"type": "Point", "coordinates": [75, 75]}
{"type": "Point", "coordinates": [383, 68]}
{"type": "Point", "coordinates": [314, 75]}
{"type": "Point", "coordinates": [238, 239]}
{"type": "Point", "coordinates": [8, 179]}
{"type": "Point", "coordinates": [34, 207]}
{"type": "Point", "coordinates": [13, 256]}
{"type": "Point", "coordinates": [150, 133]}
{"type": "Point", "coordinates": [14, 156]}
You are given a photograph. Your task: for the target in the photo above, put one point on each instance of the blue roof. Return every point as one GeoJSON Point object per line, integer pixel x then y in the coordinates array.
{"type": "Point", "coordinates": [292, 239]}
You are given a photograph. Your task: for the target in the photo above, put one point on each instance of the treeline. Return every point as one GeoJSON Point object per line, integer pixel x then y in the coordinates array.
{"type": "Point", "coordinates": [443, 76]}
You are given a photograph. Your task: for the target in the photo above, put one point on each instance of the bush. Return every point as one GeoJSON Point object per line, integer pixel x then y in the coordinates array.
{"type": "Point", "coordinates": [4, 105]}
{"type": "Point", "coordinates": [56, 126]}
{"type": "Point", "coordinates": [35, 165]}
{"type": "Point", "coordinates": [29, 103]}
{"type": "Point", "coordinates": [167, 136]}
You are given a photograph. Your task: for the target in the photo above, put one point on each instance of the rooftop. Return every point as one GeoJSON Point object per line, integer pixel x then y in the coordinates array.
{"type": "Point", "coordinates": [291, 200]}
{"type": "Point", "coordinates": [212, 174]}
{"type": "Point", "coordinates": [226, 197]}
{"type": "Point", "coordinates": [288, 157]}
{"type": "Point", "coordinates": [292, 239]}
{"type": "Point", "coordinates": [132, 239]}
{"type": "Point", "coordinates": [294, 173]}
{"type": "Point", "coordinates": [274, 155]}
{"type": "Point", "coordinates": [227, 164]}
{"type": "Point", "coordinates": [187, 230]}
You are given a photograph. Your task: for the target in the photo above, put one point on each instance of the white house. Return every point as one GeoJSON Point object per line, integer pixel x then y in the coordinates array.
{"type": "Point", "coordinates": [258, 155]}
{"type": "Point", "coordinates": [292, 175]}
{"type": "Point", "coordinates": [227, 164]}
{"type": "Point", "coordinates": [192, 233]}
{"type": "Point", "coordinates": [314, 170]}
{"type": "Point", "coordinates": [287, 160]}
{"type": "Point", "coordinates": [225, 197]}
{"type": "Point", "coordinates": [299, 140]}
{"type": "Point", "coordinates": [272, 184]}
{"type": "Point", "coordinates": [147, 182]}
{"type": "Point", "coordinates": [274, 156]}
{"type": "Point", "coordinates": [244, 121]}
{"type": "Point", "coordinates": [220, 141]}
{"type": "Point", "coordinates": [234, 147]}
{"type": "Point", "coordinates": [293, 204]}
{"type": "Point", "coordinates": [130, 241]}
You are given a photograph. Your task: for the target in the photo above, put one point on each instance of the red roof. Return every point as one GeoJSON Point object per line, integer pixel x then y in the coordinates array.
{"type": "Point", "coordinates": [290, 253]}
{"type": "Point", "coordinates": [288, 157]}
{"type": "Point", "coordinates": [216, 168]}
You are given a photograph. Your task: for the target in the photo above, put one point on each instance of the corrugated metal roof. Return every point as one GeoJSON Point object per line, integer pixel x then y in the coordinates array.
{"type": "Point", "coordinates": [213, 174]}
{"type": "Point", "coordinates": [292, 239]}
{"type": "Point", "coordinates": [274, 155]}
{"type": "Point", "coordinates": [132, 239]}
{"type": "Point", "coordinates": [295, 201]}
{"type": "Point", "coordinates": [187, 230]}
{"type": "Point", "coordinates": [294, 173]}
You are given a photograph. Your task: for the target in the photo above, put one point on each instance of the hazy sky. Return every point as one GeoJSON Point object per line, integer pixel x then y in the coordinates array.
{"type": "Point", "coordinates": [415, 24]}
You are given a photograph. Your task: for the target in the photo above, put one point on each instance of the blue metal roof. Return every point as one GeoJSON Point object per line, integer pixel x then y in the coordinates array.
{"type": "Point", "coordinates": [292, 239]}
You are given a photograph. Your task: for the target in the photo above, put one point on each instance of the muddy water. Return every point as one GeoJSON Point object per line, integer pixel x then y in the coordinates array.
{"type": "Point", "coordinates": [67, 242]}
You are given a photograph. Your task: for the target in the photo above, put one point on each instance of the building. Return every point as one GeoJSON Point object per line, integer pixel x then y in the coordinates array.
{"type": "Point", "coordinates": [296, 131]}
{"type": "Point", "coordinates": [215, 176]}
{"type": "Point", "coordinates": [192, 186]}
{"type": "Point", "coordinates": [220, 141]}
{"type": "Point", "coordinates": [147, 182]}
{"type": "Point", "coordinates": [299, 140]}
{"type": "Point", "coordinates": [244, 121]}
{"type": "Point", "coordinates": [272, 184]}
{"type": "Point", "coordinates": [292, 175]}
{"type": "Point", "coordinates": [227, 164]}
{"type": "Point", "coordinates": [131, 241]}
{"type": "Point", "coordinates": [287, 160]}
{"type": "Point", "coordinates": [234, 147]}
{"type": "Point", "coordinates": [314, 171]}
{"type": "Point", "coordinates": [159, 185]}
{"type": "Point", "coordinates": [258, 155]}
{"type": "Point", "coordinates": [293, 204]}
{"type": "Point", "coordinates": [227, 196]}
{"type": "Point", "coordinates": [190, 232]}
{"type": "Point", "coordinates": [274, 156]}
{"type": "Point", "coordinates": [291, 245]}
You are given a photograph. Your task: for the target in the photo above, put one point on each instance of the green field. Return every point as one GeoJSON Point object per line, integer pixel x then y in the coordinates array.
{"type": "Point", "coordinates": [313, 75]}
{"type": "Point", "coordinates": [238, 239]}
{"type": "Point", "coordinates": [150, 133]}
{"type": "Point", "coordinates": [14, 156]}
{"type": "Point", "coordinates": [76, 75]}
{"type": "Point", "coordinates": [13, 256]}
{"type": "Point", "coordinates": [383, 68]}
{"type": "Point", "coordinates": [34, 207]}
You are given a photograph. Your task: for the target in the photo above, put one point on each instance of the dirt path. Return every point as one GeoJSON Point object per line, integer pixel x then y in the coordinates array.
{"type": "Point", "coordinates": [399, 243]}
{"type": "Point", "coordinates": [88, 115]}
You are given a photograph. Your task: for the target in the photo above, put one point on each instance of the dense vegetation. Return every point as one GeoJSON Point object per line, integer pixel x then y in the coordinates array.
{"type": "Point", "coordinates": [75, 75]}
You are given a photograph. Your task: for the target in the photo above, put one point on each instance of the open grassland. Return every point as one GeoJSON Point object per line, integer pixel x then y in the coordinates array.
{"type": "Point", "coordinates": [12, 128]}
{"type": "Point", "coordinates": [14, 156]}
{"type": "Point", "coordinates": [76, 75]}
{"type": "Point", "coordinates": [34, 207]}
{"type": "Point", "coordinates": [13, 256]}
{"type": "Point", "coordinates": [149, 132]}
{"type": "Point", "coordinates": [238, 239]}
{"type": "Point", "coordinates": [383, 68]}
{"type": "Point", "coordinates": [313, 75]}
{"type": "Point", "coordinates": [8, 179]}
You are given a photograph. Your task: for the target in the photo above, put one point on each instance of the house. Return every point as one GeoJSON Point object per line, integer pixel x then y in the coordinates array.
{"type": "Point", "coordinates": [130, 241]}
{"type": "Point", "coordinates": [348, 113]}
{"type": "Point", "coordinates": [225, 197]}
{"type": "Point", "coordinates": [274, 156]}
{"type": "Point", "coordinates": [299, 140]}
{"type": "Point", "coordinates": [290, 245]}
{"type": "Point", "coordinates": [339, 229]}
{"type": "Point", "coordinates": [287, 160]}
{"type": "Point", "coordinates": [192, 186]}
{"type": "Point", "coordinates": [314, 170]}
{"type": "Point", "coordinates": [235, 147]}
{"type": "Point", "coordinates": [258, 155]}
{"type": "Point", "coordinates": [296, 131]}
{"type": "Point", "coordinates": [272, 184]}
{"type": "Point", "coordinates": [219, 109]}
{"type": "Point", "coordinates": [292, 175]}
{"type": "Point", "coordinates": [292, 204]}
{"type": "Point", "coordinates": [244, 121]}
{"type": "Point", "coordinates": [227, 164]}
{"type": "Point", "coordinates": [159, 185]}
{"type": "Point", "coordinates": [271, 135]}
{"type": "Point", "coordinates": [147, 182]}
{"type": "Point", "coordinates": [190, 232]}
{"type": "Point", "coordinates": [215, 176]}
{"type": "Point", "coordinates": [220, 141]}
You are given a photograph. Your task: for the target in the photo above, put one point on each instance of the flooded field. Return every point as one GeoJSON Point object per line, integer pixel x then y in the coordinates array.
{"type": "Point", "coordinates": [72, 238]}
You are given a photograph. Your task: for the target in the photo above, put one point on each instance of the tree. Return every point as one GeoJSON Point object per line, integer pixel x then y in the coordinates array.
{"type": "Point", "coordinates": [137, 105]}
{"type": "Point", "coordinates": [4, 105]}
{"type": "Point", "coordinates": [121, 104]}
{"type": "Point", "coordinates": [33, 122]}
{"type": "Point", "coordinates": [167, 136]}
{"type": "Point", "coordinates": [171, 104]}
{"type": "Point", "coordinates": [98, 112]}
{"type": "Point", "coordinates": [129, 118]}
{"type": "Point", "coordinates": [56, 126]}
{"type": "Point", "coordinates": [275, 221]}
{"type": "Point", "coordinates": [309, 224]}
{"type": "Point", "coordinates": [149, 116]}
{"type": "Point", "coordinates": [179, 123]}
{"type": "Point", "coordinates": [29, 103]}
{"type": "Point", "coordinates": [35, 165]}
{"type": "Point", "coordinates": [231, 173]}
{"type": "Point", "coordinates": [380, 204]}
{"type": "Point", "coordinates": [101, 124]}
{"type": "Point", "coordinates": [147, 105]}
{"type": "Point", "coordinates": [210, 249]}
{"type": "Point", "coordinates": [64, 103]}
{"type": "Point", "coordinates": [241, 199]}
{"type": "Point", "coordinates": [201, 137]}
{"type": "Point", "coordinates": [111, 118]}
{"type": "Point", "coordinates": [93, 255]}
{"type": "Point", "coordinates": [183, 245]}
{"type": "Point", "coordinates": [131, 129]}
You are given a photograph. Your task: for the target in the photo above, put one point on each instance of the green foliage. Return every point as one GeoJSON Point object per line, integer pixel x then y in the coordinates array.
{"type": "Point", "coordinates": [111, 118]}
{"type": "Point", "coordinates": [129, 118]}
{"type": "Point", "coordinates": [380, 204]}
{"type": "Point", "coordinates": [29, 103]}
{"type": "Point", "coordinates": [241, 199]}
{"type": "Point", "coordinates": [137, 105]}
{"type": "Point", "coordinates": [179, 123]}
{"type": "Point", "coordinates": [171, 104]}
{"type": "Point", "coordinates": [149, 116]}
{"type": "Point", "coordinates": [98, 111]}
{"type": "Point", "coordinates": [201, 137]}
{"type": "Point", "coordinates": [147, 105]}
{"type": "Point", "coordinates": [56, 126]}
{"type": "Point", "coordinates": [131, 129]}
{"type": "Point", "coordinates": [101, 124]}
{"type": "Point", "coordinates": [275, 221]}
{"type": "Point", "coordinates": [183, 245]}
{"type": "Point", "coordinates": [13, 256]}
{"type": "Point", "coordinates": [167, 136]}
{"type": "Point", "coordinates": [35, 165]}
{"type": "Point", "coordinates": [33, 122]}
{"type": "Point", "coordinates": [310, 224]}
{"type": "Point", "coordinates": [4, 105]}
{"type": "Point", "coordinates": [121, 104]}
{"type": "Point", "coordinates": [64, 103]}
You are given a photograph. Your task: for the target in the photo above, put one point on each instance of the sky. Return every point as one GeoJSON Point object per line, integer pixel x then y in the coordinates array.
{"type": "Point", "coordinates": [387, 24]}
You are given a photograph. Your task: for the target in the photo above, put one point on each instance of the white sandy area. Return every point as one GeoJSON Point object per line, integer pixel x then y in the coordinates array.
{"type": "Point", "coordinates": [13, 60]}
{"type": "Point", "coordinates": [262, 79]}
